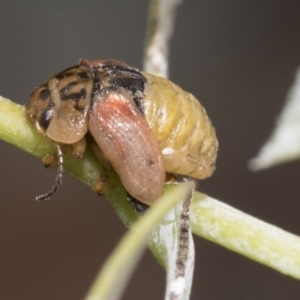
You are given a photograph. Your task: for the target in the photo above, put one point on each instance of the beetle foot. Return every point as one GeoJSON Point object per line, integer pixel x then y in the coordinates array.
{"type": "Point", "coordinates": [137, 206]}
{"type": "Point", "coordinates": [101, 185]}
{"type": "Point", "coordinates": [50, 161]}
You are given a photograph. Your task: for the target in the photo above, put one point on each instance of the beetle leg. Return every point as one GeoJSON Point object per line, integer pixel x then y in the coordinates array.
{"type": "Point", "coordinates": [78, 148]}
{"type": "Point", "coordinates": [58, 178]}
{"type": "Point", "coordinates": [171, 178]}
{"type": "Point", "coordinates": [50, 161]}
{"type": "Point", "coordinates": [101, 186]}
{"type": "Point", "coordinates": [100, 155]}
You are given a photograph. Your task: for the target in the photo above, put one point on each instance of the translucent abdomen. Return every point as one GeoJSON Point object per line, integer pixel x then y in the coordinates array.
{"type": "Point", "coordinates": [179, 122]}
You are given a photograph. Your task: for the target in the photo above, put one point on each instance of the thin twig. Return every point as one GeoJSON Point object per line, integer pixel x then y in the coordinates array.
{"type": "Point", "coordinates": [159, 31]}
{"type": "Point", "coordinates": [284, 143]}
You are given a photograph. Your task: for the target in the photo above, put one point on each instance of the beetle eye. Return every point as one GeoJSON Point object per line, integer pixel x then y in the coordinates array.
{"type": "Point", "coordinates": [45, 117]}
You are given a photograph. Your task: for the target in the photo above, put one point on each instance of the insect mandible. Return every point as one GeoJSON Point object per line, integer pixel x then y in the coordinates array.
{"type": "Point", "coordinates": [144, 125]}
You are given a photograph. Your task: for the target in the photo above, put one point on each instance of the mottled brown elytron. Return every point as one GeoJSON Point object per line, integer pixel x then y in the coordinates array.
{"type": "Point", "coordinates": [143, 124]}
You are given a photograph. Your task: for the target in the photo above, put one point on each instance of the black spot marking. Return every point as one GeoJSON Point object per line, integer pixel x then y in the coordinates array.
{"type": "Point", "coordinates": [45, 117]}
{"type": "Point", "coordinates": [130, 84]}
{"type": "Point", "coordinates": [44, 94]}
{"type": "Point", "coordinates": [78, 107]}
{"type": "Point", "coordinates": [83, 75]}
{"type": "Point", "coordinates": [77, 96]}
{"type": "Point", "coordinates": [128, 78]}
{"type": "Point", "coordinates": [74, 96]}
{"type": "Point", "coordinates": [126, 71]}
{"type": "Point", "coordinates": [65, 95]}
{"type": "Point", "coordinates": [139, 103]}
{"type": "Point", "coordinates": [65, 73]}
{"type": "Point", "coordinates": [150, 162]}
{"type": "Point", "coordinates": [65, 90]}
{"type": "Point", "coordinates": [131, 80]}
{"type": "Point", "coordinates": [97, 85]}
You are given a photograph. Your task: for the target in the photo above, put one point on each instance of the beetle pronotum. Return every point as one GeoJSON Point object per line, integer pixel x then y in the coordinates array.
{"type": "Point", "coordinates": [143, 124]}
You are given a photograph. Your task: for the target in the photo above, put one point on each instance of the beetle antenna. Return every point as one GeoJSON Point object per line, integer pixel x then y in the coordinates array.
{"type": "Point", "coordinates": [58, 178]}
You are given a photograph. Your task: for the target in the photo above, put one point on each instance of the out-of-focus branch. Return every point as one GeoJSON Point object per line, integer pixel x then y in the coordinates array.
{"type": "Point", "coordinates": [177, 245]}
{"type": "Point", "coordinates": [159, 31]}
{"type": "Point", "coordinates": [284, 143]}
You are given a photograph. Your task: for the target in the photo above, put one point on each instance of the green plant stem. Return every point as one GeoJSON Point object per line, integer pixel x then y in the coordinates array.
{"type": "Point", "coordinates": [244, 234]}
{"type": "Point", "coordinates": [211, 219]}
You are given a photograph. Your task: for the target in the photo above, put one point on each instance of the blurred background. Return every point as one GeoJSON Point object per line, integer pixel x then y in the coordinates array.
{"type": "Point", "coordinates": [238, 57]}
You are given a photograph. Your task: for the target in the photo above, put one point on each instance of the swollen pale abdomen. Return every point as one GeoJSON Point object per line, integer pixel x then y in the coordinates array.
{"type": "Point", "coordinates": [179, 122]}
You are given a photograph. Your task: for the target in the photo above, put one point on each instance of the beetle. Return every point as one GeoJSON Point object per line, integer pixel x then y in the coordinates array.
{"type": "Point", "coordinates": [144, 125]}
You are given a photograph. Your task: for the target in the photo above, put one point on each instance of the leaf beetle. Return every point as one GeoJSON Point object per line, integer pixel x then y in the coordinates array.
{"type": "Point", "coordinates": [144, 125]}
